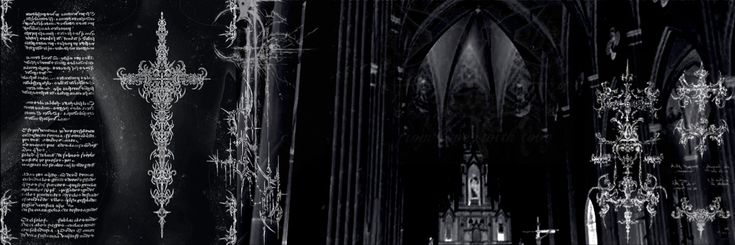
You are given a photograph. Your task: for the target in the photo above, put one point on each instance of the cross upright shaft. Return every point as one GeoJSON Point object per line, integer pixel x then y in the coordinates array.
{"type": "Point", "coordinates": [162, 83]}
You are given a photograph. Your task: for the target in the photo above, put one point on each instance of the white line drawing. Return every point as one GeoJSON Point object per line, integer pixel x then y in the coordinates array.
{"type": "Point", "coordinates": [633, 191]}
{"type": "Point", "coordinates": [231, 206]}
{"type": "Point", "coordinates": [242, 162]}
{"type": "Point", "coordinates": [5, 203]}
{"type": "Point", "coordinates": [700, 216]}
{"type": "Point", "coordinates": [162, 83]}
{"type": "Point", "coordinates": [700, 94]}
{"type": "Point", "coordinates": [6, 34]}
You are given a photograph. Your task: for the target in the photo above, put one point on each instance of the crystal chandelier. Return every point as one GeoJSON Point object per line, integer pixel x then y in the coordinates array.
{"type": "Point", "coordinates": [700, 216]}
{"type": "Point", "coordinates": [631, 190]}
{"type": "Point", "coordinates": [699, 93]}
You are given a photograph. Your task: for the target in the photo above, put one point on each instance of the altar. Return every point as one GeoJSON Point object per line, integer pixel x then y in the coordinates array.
{"type": "Point", "coordinates": [477, 216]}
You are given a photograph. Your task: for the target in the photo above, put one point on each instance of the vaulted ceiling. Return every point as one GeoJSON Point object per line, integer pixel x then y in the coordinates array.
{"type": "Point", "coordinates": [475, 76]}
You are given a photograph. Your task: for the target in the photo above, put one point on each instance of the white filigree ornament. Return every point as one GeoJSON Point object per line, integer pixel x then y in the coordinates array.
{"type": "Point", "coordinates": [700, 94]}
{"type": "Point", "coordinates": [5, 203]}
{"type": "Point", "coordinates": [231, 208]}
{"type": "Point", "coordinates": [6, 35]}
{"type": "Point", "coordinates": [162, 83]}
{"type": "Point", "coordinates": [630, 192]}
{"type": "Point", "coordinates": [700, 216]}
{"type": "Point", "coordinates": [251, 47]}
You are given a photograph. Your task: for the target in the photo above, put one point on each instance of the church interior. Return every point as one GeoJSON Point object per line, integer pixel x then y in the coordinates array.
{"type": "Point", "coordinates": [510, 122]}
{"type": "Point", "coordinates": [440, 122]}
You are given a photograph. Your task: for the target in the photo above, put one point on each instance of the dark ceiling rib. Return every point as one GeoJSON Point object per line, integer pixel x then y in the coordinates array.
{"type": "Point", "coordinates": [486, 34]}
{"type": "Point", "coordinates": [457, 54]}
{"type": "Point", "coordinates": [576, 6]}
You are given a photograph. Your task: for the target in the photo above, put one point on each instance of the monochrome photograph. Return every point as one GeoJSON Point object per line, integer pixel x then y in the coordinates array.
{"type": "Point", "coordinates": [439, 122]}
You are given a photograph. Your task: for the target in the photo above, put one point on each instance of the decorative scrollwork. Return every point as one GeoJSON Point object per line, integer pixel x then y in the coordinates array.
{"type": "Point", "coordinates": [230, 33]}
{"type": "Point", "coordinates": [231, 208]}
{"type": "Point", "coordinates": [6, 34]}
{"type": "Point", "coordinates": [251, 47]}
{"type": "Point", "coordinates": [162, 83]}
{"type": "Point", "coordinates": [700, 216]}
{"type": "Point", "coordinates": [699, 93]}
{"type": "Point", "coordinates": [5, 203]}
{"type": "Point", "coordinates": [630, 192]}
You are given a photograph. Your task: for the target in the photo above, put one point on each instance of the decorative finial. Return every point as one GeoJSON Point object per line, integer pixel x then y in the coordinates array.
{"type": "Point", "coordinates": [162, 49]}
{"type": "Point", "coordinates": [627, 77]}
{"type": "Point", "coordinates": [701, 73]}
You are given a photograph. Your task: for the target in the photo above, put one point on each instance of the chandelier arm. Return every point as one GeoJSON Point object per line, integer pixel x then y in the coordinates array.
{"type": "Point", "coordinates": [653, 139]}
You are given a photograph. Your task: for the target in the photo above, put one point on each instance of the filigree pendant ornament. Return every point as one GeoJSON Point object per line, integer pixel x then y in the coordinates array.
{"type": "Point", "coordinates": [700, 216]}
{"type": "Point", "coordinates": [628, 192]}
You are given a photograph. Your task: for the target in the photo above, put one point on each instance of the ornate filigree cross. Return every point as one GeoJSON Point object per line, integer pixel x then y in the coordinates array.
{"type": "Point", "coordinates": [700, 93]}
{"type": "Point", "coordinates": [162, 83]}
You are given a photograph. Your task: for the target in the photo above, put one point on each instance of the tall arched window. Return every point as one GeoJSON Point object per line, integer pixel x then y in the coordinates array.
{"type": "Point", "coordinates": [590, 221]}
